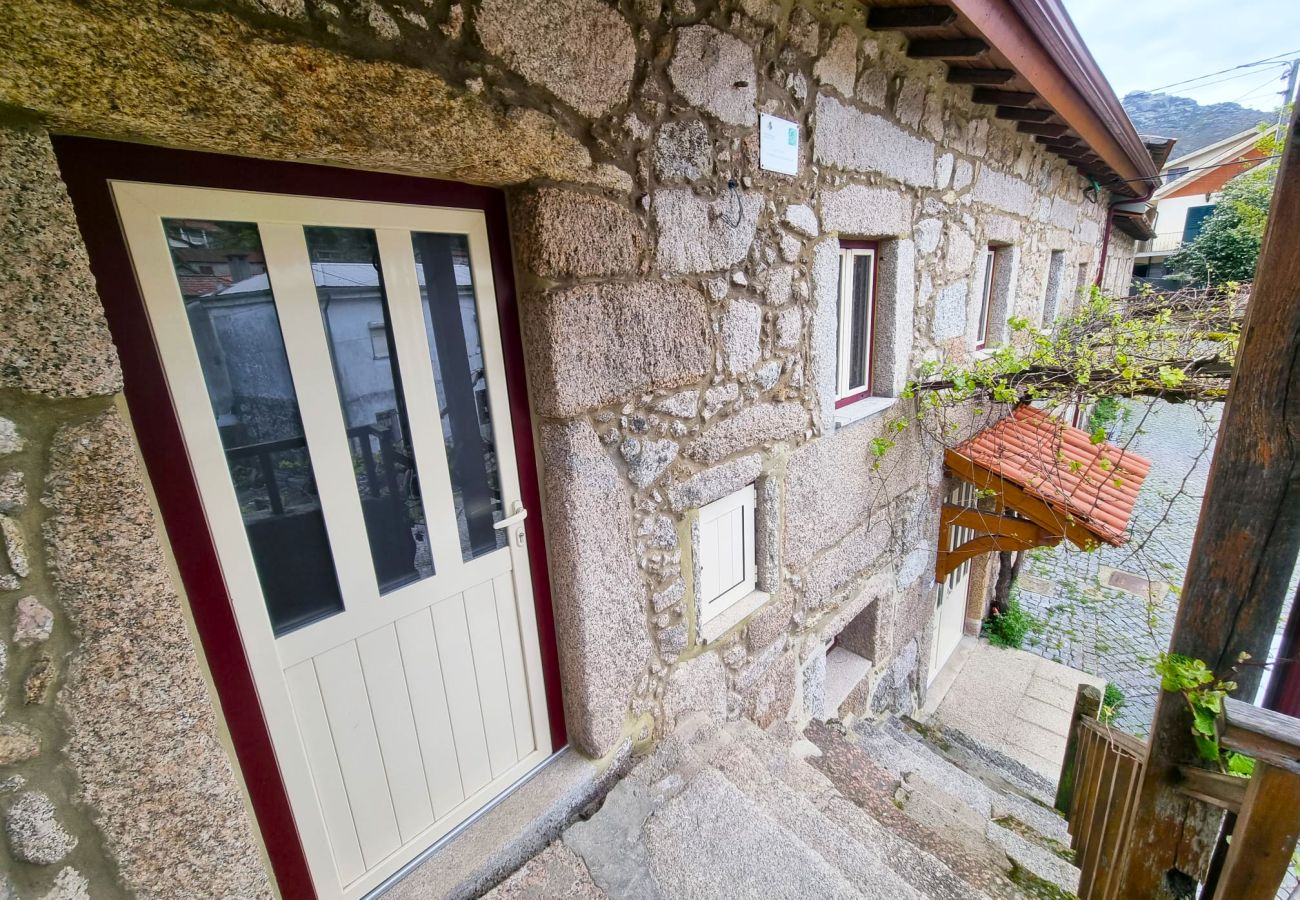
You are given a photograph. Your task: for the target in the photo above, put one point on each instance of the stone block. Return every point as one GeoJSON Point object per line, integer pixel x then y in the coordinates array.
{"type": "Point", "coordinates": [817, 517]}
{"type": "Point", "coordinates": [598, 343]}
{"type": "Point", "coordinates": [873, 87]}
{"type": "Point", "coordinates": [751, 427]}
{"type": "Point", "coordinates": [895, 309]}
{"type": "Point", "coordinates": [18, 743]}
{"type": "Point", "coordinates": [599, 617]}
{"type": "Point", "coordinates": [813, 679]}
{"type": "Point", "coordinates": [582, 51]}
{"type": "Point", "coordinates": [1064, 214]}
{"type": "Point", "coordinates": [1001, 229]}
{"type": "Point", "coordinates": [802, 219]}
{"type": "Point", "coordinates": [715, 72]}
{"type": "Point", "coordinates": [768, 698]}
{"type": "Point", "coordinates": [33, 622]}
{"type": "Point", "coordinates": [962, 175]}
{"type": "Point", "coordinates": [34, 831]}
{"type": "Point", "coordinates": [714, 483]}
{"type": "Point", "coordinates": [1004, 192]}
{"type": "Point", "coordinates": [780, 285]}
{"type": "Point", "coordinates": [10, 440]}
{"type": "Point", "coordinates": [960, 255]}
{"type": "Point", "coordinates": [950, 312]}
{"type": "Point", "coordinates": [838, 66]}
{"type": "Point", "coordinates": [855, 554]}
{"type": "Point", "coordinates": [825, 327]}
{"type": "Point", "coordinates": [698, 235]}
{"type": "Point", "coordinates": [876, 593]}
{"type": "Point", "coordinates": [789, 328]}
{"type": "Point", "coordinates": [683, 151]}
{"type": "Point", "coordinates": [862, 211]}
{"type": "Point", "coordinates": [910, 102]}
{"type": "Point", "coordinates": [646, 459]}
{"type": "Point", "coordinates": [857, 141]}
{"type": "Point", "coordinates": [134, 683]}
{"type": "Point", "coordinates": [55, 338]}
{"type": "Point", "coordinates": [13, 492]}
{"type": "Point", "coordinates": [927, 233]}
{"type": "Point", "coordinates": [770, 623]}
{"type": "Point", "coordinates": [739, 332]}
{"type": "Point", "coordinates": [696, 685]}
{"type": "Point", "coordinates": [571, 234]}
{"type": "Point", "coordinates": [684, 405]}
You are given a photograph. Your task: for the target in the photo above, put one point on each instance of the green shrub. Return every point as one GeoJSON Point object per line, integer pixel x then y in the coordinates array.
{"type": "Point", "coordinates": [1111, 702]}
{"type": "Point", "coordinates": [1009, 628]}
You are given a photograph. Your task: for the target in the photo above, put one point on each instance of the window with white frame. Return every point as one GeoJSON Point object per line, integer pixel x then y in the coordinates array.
{"type": "Point", "coordinates": [986, 298]}
{"type": "Point", "coordinates": [857, 313]}
{"type": "Point", "coordinates": [727, 564]}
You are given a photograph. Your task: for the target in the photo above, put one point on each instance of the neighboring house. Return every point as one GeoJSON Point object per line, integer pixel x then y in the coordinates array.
{"type": "Point", "coordinates": [1189, 188]}
{"type": "Point", "coordinates": [338, 499]}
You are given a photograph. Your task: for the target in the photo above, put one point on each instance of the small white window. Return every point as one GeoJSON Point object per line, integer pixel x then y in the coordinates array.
{"type": "Point", "coordinates": [856, 321]}
{"type": "Point", "coordinates": [728, 569]}
{"type": "Point", "coordinates": [986, 298]}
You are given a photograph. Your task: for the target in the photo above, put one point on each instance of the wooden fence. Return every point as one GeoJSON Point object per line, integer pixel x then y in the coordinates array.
{"type": "Point", "coordinates": [1098, 793]}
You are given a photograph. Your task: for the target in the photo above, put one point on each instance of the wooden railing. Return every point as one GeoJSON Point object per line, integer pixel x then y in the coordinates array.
{"type": "Point", "coordinates": [1098, 790]}
{"type": "Point", "coordinates": [1098, 787]}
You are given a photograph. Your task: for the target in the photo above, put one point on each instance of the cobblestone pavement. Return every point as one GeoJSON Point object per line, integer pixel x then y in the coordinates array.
{"type": "Point", "coordinates": [1111, 612]}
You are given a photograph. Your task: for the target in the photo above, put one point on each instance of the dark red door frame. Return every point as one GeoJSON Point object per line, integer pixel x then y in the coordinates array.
{"type": "Point", "coordinates": [87, 166]}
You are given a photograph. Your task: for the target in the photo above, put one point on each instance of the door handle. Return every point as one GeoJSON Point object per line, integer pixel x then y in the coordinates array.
{"type": "Point", "coordinates": [519, 515]}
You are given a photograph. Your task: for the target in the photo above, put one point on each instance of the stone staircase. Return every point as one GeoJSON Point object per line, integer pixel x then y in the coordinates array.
{"type": "Point", "coordinates": [863, 810]}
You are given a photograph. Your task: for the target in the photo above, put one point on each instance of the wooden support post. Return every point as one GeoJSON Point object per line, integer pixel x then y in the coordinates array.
{"type": "Point", "coordinates": [1087, 705]}
{"type": "Point", "coordinates": [1264, 836]}
{"type": "Point", "coordinates": [1246, 540]}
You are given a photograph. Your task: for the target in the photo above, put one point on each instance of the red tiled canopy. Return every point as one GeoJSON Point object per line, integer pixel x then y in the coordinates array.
{"type": "Point", "coordinates": [1093, 485]}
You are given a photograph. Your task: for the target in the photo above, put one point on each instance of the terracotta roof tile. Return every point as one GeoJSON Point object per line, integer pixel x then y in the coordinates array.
{"type": "Point", "coordinates": [1096, 484]}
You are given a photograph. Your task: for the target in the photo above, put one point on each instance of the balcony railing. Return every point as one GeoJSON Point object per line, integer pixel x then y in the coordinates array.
{"type": "Point", "coordinates": [1161, 243]}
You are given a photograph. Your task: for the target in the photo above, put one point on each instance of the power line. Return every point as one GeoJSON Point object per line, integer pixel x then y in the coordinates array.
{"type": "Point", "coordinates": [1233, 162]}
{"type": "Point", "coordinates": [1263, 84]}
{"type": "Point", "coordinates": [1257, 62]}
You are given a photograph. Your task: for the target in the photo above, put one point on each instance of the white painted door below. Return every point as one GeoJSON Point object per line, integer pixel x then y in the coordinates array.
{"type": "Point", "coordinates": [950, 609]}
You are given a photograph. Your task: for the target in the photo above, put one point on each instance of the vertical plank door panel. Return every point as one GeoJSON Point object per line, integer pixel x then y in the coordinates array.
{"type": "Point", "coordinates": [490, 669]}
{"type": "Point", "coordinates": [516, 678]}
{"type": "Point", "coordinates": [342, 687]}
{"type": "Point", "coordinates": [429, 708]}
{"type": "Point", "coordinates": [452, 637]}
{"type": "Point", "coordinates": [309, 710]}
{"type": "Point", "coordinates": [381, 662]}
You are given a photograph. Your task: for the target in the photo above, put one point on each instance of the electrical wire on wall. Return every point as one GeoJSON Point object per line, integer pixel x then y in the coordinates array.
{"type": "Point", "coordinates": [734, 189]}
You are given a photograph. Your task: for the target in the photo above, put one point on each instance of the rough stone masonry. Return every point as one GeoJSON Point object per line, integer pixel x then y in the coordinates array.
{"type": "Point", "coordinates": [679, 313]}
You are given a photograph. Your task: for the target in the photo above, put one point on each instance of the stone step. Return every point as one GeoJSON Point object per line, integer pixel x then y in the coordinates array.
{"type": "Point", "coordinates": [872, 788]}
{"type": "Point", "coordinates": [1005, 796]}
{"type": "Point", "coordinates": [555, 872]}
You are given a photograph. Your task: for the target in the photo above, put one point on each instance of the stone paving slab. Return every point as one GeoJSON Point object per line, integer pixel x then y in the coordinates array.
{"type": "Point", "coordinates": [555, 872]}
{"type": "Point", "coordinates": [1011, 701]}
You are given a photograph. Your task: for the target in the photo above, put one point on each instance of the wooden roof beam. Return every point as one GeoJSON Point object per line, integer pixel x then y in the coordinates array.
{"type": "Point", "coordinates": [995, 97]}
{"type": "Point", "coordinates": [980, 76]}
{"type": "Point", "coordinates": [896, 18]}
{"type": "Point", "coordinates": [1064, 140]}
{"type": "Point", "coordinates": [954, 48]}
{"type": "Point", "coordinates": [1048, 129]}
{"type": "Point", "coordinates": [1016, 114]}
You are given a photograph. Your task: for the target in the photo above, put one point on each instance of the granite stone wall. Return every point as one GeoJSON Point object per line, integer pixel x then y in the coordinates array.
{"type": "Point", "coordinates": [679, 316]}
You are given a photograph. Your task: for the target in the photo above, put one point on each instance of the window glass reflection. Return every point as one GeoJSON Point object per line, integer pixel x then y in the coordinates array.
{"type": "Point", "coordinates": [451, 324]}
{"type": "Point", "coordinates": [231, 310]}
{"type": "Point", "coordinates": [358, 329]}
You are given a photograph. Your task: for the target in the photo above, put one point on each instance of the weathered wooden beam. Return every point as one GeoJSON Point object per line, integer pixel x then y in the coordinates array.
{"type": "Point", "coordinates": [894, 18]}
{"type": "Point", "coordinates": [1246, 541]}
{"type": "Point", "coordinates": [979, 76]}
{"type": "Point", "coordinates": [1049, 129]}
{"type": "Point", "coordinates": [995, 97]}
{"type": "Point", "coordinates": [1224, 791]}
{"type": "Point", "coordinates": [947, 48]}
{"type": "Point", "coordinates": [1064, 140]}
{"type": "Point", "coordinates": [1268, 736]}
{"type": "Point", "coordinates": [1023, 114]}
{"type": "Point", "coordinates": [1263, 838]}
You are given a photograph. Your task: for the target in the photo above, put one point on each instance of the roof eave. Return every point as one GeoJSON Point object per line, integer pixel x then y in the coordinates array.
{"type": "Point", "coordinates": [1041, 42]}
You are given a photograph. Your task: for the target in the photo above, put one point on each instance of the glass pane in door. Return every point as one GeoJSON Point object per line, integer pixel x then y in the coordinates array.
{"type": "Point", "coordinates": [451, 322]}
{"type": "Point", "coordinates": [228, 300]}
{"type": "Point", "coordinates": [358, 329]}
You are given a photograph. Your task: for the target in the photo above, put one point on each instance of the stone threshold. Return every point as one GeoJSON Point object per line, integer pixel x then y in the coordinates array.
{"type": "Point", "coordinates": [515, 827]}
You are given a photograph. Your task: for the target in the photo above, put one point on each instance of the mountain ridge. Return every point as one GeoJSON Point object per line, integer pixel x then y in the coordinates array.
{"type": "Point", "coordinates": [1195, 126]}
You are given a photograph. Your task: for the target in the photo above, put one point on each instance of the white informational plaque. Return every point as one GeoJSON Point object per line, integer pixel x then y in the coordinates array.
{"type": "Point", "coordinates": [778, 145]}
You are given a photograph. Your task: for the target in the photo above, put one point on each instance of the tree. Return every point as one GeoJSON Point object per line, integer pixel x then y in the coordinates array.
{"type": "Point", "coordinates": [1228, 245]}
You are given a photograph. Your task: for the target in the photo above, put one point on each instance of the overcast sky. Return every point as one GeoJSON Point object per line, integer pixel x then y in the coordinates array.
{"type": "Point", "coordinates": [1143, 44]}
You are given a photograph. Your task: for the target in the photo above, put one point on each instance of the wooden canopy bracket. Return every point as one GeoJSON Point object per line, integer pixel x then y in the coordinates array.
{"type": "Point", "coordinates": [994, 532]}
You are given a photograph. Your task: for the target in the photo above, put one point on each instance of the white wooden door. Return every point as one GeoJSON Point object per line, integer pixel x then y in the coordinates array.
{"type": "Point", "coordinates": [950, 611]}
{"type": "Point", "coordinates": [337, 371]}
